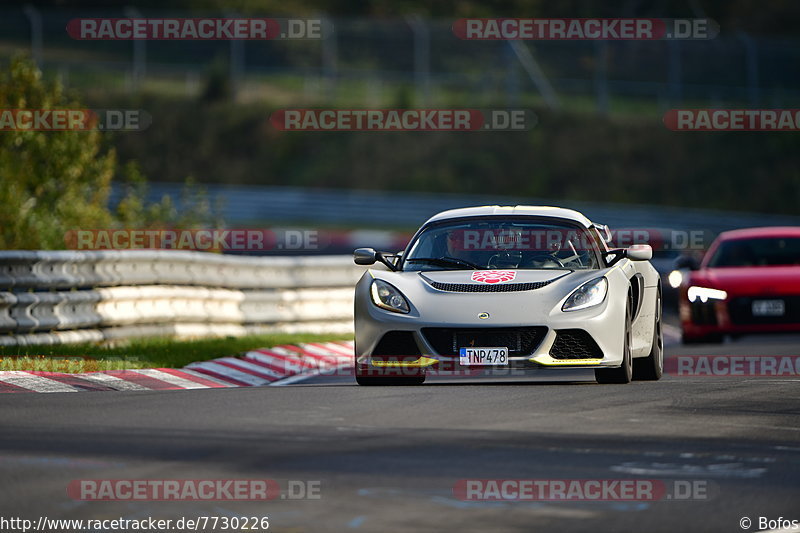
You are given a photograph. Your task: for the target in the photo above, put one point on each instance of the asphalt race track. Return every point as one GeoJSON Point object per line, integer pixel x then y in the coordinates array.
{"type": "Point", "coordinates": [387, 459]}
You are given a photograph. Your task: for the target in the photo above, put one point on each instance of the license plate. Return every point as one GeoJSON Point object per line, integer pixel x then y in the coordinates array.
{"type": "Point", "coordinates": [769, 308]}
{"type": "Point", "coordinates": [483, 356]}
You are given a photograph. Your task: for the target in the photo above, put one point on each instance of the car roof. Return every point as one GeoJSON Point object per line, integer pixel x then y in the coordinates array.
{"type": "Point", "coordinates": [770, 231]}
{"type": "Point", "coordinates": [514, 210]}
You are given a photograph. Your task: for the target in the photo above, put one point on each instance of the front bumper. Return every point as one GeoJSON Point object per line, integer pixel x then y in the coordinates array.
{"type": "Point", "coordinates": [427, 358]}
{"type": "Point", "coordinates": [420, 351]}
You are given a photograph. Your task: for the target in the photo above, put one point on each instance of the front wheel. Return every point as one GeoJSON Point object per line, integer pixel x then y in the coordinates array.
{"type": "Point", "coordinates": [651, 368]}
{"type": "Point", "coordinates": [624, 373]}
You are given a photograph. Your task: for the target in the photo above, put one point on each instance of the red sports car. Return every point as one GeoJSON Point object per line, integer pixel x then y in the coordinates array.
{"type": "Point", "coordinates": [748, 282]}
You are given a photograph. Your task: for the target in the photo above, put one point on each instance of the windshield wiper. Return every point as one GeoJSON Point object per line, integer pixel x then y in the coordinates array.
{"type": "Point", "coordinates": [444, 261]}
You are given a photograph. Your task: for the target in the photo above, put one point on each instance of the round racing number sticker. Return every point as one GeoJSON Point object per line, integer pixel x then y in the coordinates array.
{"type": "Point", "coordinates": [493, 276]}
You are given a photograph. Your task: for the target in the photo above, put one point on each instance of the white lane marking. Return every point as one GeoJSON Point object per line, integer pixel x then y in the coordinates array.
{"type": "Point", "coordinates": [207, 377]}
{"type": "Point", "coordinates": [283, 351]}
{"type": "Point", "coordinates": [288, 367]}
{"type": "Point", "coordinates": [171, 379]}
{"type": "Point", "coordinates": [111, 381]}
{"type": "Point", "coordinates": [34, 382]}
{"type": "Point", "coordinates": [348, 346]}
{"type": "Point", "coordinates": [320, 350]}
{"type": "Point", "coordinates": [316, 350]}
{"type": "Point", "coordinates": [300, 355]}
{"type": "Point", "coordinates": [320, 353]}
{"type": "Point", "coordinates": [229, 372]}
{"type": "Point", "coordinates": [724, 470]}
{"type": "Point", "coordinates": [339, 349]}
{"type": "Point", "coordinates": [241, 363]}
{"type": "Point", "coordinates": [297, 378]}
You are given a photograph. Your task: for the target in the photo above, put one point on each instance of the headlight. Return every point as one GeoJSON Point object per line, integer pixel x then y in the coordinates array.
{"type": "Point", "coordinates": [388, 297]}
{"type": "Point", "coordinates": [675, 279]}
{"type": "Point", "coordinates": [587, 295]}
{"type": "Point", "coordinates": [705, 294]}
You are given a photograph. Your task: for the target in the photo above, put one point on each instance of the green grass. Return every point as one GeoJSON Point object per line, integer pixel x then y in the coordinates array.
{"type": "Point", "coordinates": [141, 353]}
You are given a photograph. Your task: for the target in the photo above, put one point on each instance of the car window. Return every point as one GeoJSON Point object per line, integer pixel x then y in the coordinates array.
{"type": "Point", "coordinates": [767, 251]}
{"type": "Point", "coordinates": [488, 243]}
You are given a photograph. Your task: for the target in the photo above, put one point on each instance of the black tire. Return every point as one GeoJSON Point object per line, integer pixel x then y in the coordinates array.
{"type": "Point", "coordinates": [624, 373]}
{"type": "Point", "coordinates": [651, 368]}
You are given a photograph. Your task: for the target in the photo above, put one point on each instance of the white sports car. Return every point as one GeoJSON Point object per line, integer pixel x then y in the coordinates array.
{"type": "Point", "coordinates": [508, 287]}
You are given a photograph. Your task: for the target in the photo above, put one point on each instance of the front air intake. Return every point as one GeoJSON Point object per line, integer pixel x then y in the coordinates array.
{"type": "Point", "coordinates": [575, 344]}
{"type": "Point", "coordinates": [397, 343]}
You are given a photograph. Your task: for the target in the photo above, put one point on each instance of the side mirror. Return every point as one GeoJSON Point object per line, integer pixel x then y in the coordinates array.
{"type": "Point", "coordinates": [639, 252]}
{"type": "Point", "coordinates": [365, 256]}
{"type": "Point", "coordinates": [368, 256]}
{"type": "Point", "coordinates": [685, 262]}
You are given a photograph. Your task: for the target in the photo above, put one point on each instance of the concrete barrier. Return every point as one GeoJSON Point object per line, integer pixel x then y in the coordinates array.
{"type": "Point", "coordinates": [67, 296]}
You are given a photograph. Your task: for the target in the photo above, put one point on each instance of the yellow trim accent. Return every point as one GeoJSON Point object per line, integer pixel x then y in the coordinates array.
{"type": "Point", "coordinates": [419, 363]}
{"type": "Point", "coordinates": [569, 362]}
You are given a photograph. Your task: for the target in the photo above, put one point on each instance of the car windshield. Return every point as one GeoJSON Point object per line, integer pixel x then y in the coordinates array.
{"type": "Point", "coordinates": [765, 251]}
{"type": "Point", "coordinates": [489, 243]}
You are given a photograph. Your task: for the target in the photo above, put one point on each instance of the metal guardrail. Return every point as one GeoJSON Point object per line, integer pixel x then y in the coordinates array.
{"type": "Point", "coordinates": [728, 70]}
{"type": "Point", "coordinates": [63, 296]}
{"type": "Point", "coordinates": [285, 205]}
